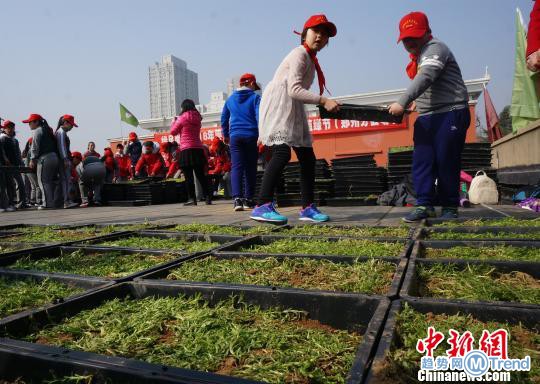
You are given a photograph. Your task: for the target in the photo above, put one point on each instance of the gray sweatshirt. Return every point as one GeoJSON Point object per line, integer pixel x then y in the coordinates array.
{"type": "Point", "coordinates": [438, 87]}
{"type": "Point", "coordinates": [42, 143]}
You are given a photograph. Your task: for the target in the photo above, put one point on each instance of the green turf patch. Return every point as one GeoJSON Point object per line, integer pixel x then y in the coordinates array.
{"type": "Point", "coordinates": [345, 247]}
{"type": "Point", "coordinates": [110, 264]}
{"type": "Point", "coordinates": [403, 361]}
{"type": "Point", "coordinates": [222, 229]}
{"type": "Point", "coordinates": [477, 282]}
{"type": "Point", "coordinates": [19, 295]}
{"type": "Point", "coordinates": [506, 222]}
{"type": "Point", "coordinates": [175, 244]}
{"type": "Point", "coordinates": [55, 234]}
{"type": "Point", "coordinates": [373, 276]}
{"type": "Point", "coordinates": [230, 338]}
{"type": "Point", "coordinates": [331, 230]}
{"type": "Point", "coordinates": [485, 235]}
{"type": "Point", "coordinates": [499, 252]}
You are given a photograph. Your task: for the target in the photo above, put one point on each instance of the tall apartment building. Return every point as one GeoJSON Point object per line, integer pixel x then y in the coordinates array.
{"type": "Point", "coordinates": [170, 83]}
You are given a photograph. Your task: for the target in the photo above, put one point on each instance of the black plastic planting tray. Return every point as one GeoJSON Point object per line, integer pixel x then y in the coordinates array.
{"type": "Point", "coordinates": [485, 216]}
{"type": "Point", "coordinates": [224, 240]}
{"type": "Point", "coordinates": [361, 113]}
{"type": "Point", "coordinates": [169, 229]}
{"type": "Point", "coordinates": [426, 233]}
{"type": "Point", "coordinates": [45, 247]}
{"type": "Point", "coordinates": [419, 249]}
{"type": "Point", "coordinates": [87, 283]}
{"type": "Point", "coordinates": [233, 249]}
{"type": "Point", "coordinates": [528, 317]}
{"type": "Point", "coordinates": [410, 287]}
{"type": "Point", "coordinates": [57, 251]}
{"type": "Point", "coordinates": [360, 313]}
{"type": "Point", "coordinates": [282, 231]}
{"type": "Point", "coordinates": [399, 273]}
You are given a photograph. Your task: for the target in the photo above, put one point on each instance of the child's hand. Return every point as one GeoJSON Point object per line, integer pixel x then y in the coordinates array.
{"type": "Point", "coordinates": [329, 104]}
{"type": "Point", "coordinates": [396, 109]}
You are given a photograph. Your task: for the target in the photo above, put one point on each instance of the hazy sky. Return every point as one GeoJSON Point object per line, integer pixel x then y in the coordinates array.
{"type": "Point", "coordinates": [83, 58]}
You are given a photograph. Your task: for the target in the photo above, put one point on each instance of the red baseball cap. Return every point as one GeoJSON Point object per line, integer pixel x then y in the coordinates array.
{"type": "Point", "coordinates": [33, 117]}
{"type": "Point", "coordinates": [247, 78]}
{"type": "Point", "coordinates": [7, 123]}
{"type": "Point", "coordinates": [413, 25]}
{"type": "Point", "coordinates": [70, 119]}
{"type": "Point", "coordinates": [76, 155]}
{"type": "Point", "coordinates": [132, 136]}
{"type": "Point", "coordinates": [316, 20]}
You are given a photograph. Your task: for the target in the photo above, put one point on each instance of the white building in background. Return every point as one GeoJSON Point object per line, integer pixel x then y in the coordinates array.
{"type": "Point", "coordinates": [170, 83]}
{"type": "Point", "coordinates": [217, 101]}
{"type": "Point", "coordinates": [233, 84]}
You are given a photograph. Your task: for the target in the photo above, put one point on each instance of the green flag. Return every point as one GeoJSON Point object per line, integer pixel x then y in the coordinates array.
{"type": "Point", "coordinates": [524, 108]}
{"type": "Point", "coordinates": [128, 117]}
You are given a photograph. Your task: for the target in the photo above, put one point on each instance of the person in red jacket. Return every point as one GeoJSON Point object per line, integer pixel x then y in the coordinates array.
{"type": "Point", "coordinates": [110, 164]}
{"type": "Point", "coordinates": [170, 154]}
{"type": "Point", "coordinates": [124, 171]}
{"type": "Point", "coordinates": [222, 165]}
{"type": "Point", "coordinates": [533, 39]}
{"type": "Point", "coordinates": [150, 163]}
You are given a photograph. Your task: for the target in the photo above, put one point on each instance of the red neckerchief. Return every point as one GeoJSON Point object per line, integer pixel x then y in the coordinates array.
{"type": "Point", "coordinates": [412, 67]}
{"type": "Point", "coordinates": [320, 74]}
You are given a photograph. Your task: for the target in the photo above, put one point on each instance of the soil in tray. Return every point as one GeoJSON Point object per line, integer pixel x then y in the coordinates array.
{"type": "Point", "coordinates": [53, 234]}
{"type": "Point", "coordinates": [499, 252]}
{"type": "Point", "coordinates": [403, 361]}
{"type": "Point", "coordinates": [110, 264]}
{"type": "Point", "coordinates": [485, 235]}
{"type": "Point", "coordinates": [506, 222]}
{"type": "Point", "coordinates": [222, 229]}
{"type": "Point", "coordinates": [19, 295]}
{"type": "Point", "coordinates": [175, 244]}
{"type": "Point", "coordinates": [477, 282]}
{"type": "Point", "coordinates": [372, 276]}
{"type": "Point", "coordinates": [230, 338]}
{"type": "Point", "coordinates": [330, 230]}
{"type": "Point", "coordinates": [345, 247]}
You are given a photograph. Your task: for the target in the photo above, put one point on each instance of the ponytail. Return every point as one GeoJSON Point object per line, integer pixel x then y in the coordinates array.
{"type": "Point", "coordinates": [47, 130]}
{"type": "Point", "coordinates": [60, 123]}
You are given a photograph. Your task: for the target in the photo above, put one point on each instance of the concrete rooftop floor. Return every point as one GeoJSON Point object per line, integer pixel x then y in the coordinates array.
{"type": "Point", "coordinates": [221, 213]}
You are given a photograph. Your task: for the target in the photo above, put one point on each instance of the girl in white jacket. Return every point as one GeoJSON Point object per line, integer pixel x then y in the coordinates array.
{"type": "Point", "coordinates": [283, 122]}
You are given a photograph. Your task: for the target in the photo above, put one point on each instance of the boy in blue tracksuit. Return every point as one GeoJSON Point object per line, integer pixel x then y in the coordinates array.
{"type": "Point", "coordinates": [239, 124]}
{"type": "Point", "coordinates": [439, 132]}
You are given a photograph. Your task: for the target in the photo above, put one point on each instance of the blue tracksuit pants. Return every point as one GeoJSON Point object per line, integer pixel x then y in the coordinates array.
{"type": "Point", "coordinates": [438, 143]}
{"type": "Point", "coordinates": [244, 155]}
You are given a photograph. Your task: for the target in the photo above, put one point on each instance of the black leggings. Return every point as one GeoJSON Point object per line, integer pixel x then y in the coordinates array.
{"type": "Point", "coordinates": [281, 154]}
{"type": "Point", "coordinates": [190, 180]}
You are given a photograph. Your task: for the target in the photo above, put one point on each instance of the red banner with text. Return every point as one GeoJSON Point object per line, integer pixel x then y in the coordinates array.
{"type": "Point", "coordinates": [317, 126]}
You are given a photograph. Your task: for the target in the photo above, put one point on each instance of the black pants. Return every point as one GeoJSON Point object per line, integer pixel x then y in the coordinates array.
{"type": "Point", "coordinates": [281, 154]}
{"type": "Point", "coordinates": [190, 181]}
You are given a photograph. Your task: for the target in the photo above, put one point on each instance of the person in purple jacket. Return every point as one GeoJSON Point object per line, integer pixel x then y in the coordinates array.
{"type": "Point", "coordinates": [240, 127]}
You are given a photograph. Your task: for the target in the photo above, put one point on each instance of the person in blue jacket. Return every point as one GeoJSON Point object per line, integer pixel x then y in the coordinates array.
{"type": "Point", "coordinates": [239, 124]}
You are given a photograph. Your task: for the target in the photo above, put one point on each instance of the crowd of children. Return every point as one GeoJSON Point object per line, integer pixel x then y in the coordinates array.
{"type": "Point", "coordinates": [47, 174]}
{"type": "Point", "coordinates": [275, 122]}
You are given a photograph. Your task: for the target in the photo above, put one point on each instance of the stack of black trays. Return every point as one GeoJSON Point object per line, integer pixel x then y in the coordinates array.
{"type": "Point", "coordinates": [358, 181]}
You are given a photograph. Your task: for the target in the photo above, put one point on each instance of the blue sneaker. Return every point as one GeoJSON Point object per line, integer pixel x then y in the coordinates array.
{"type": "Point", "coordinates": [419, 213]}
{"type": "Point", "coordinates": [311, 213]}
{"type": "Point", "coordinates": [267, 213]}
{"type": "Point", "coordinates": [449, 213]}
